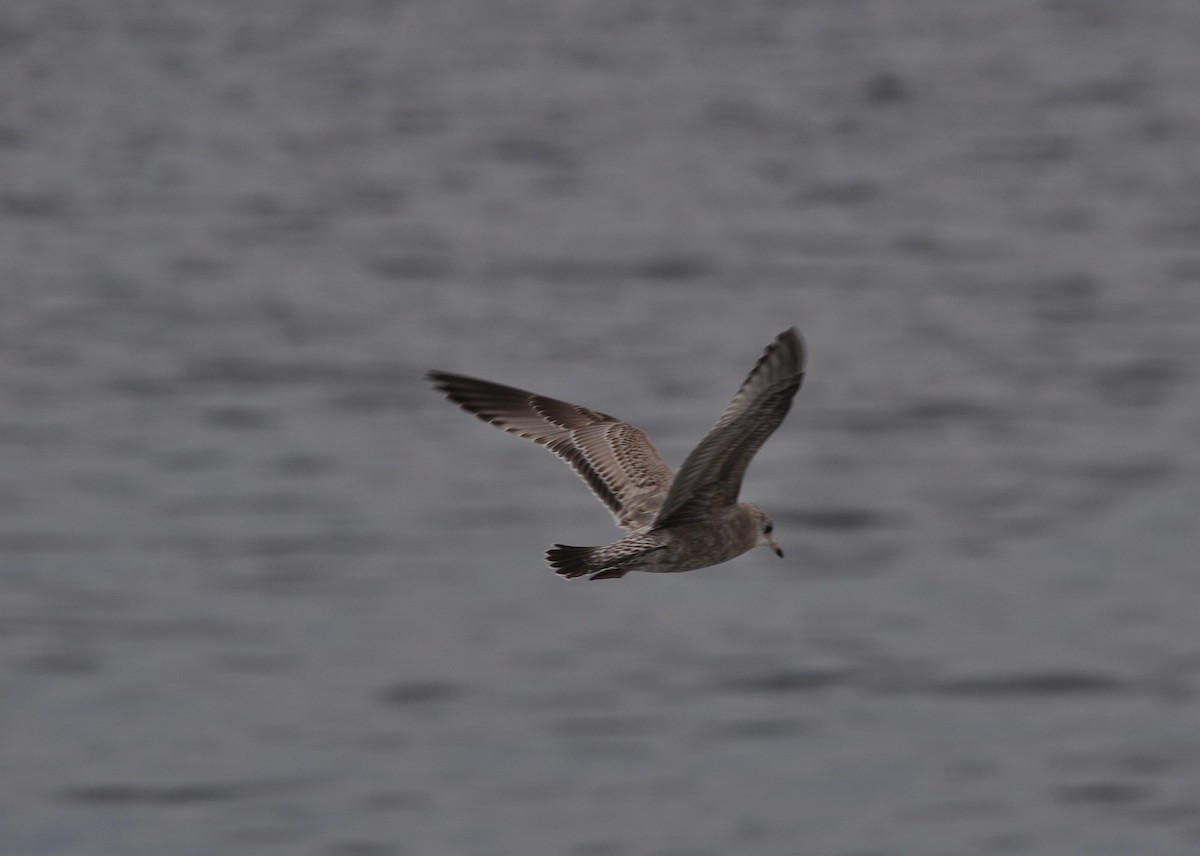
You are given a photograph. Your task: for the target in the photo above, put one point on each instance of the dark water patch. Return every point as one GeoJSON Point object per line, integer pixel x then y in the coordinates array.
{"type": "Point", "coordinates": [150, 795]}
{"type": "Point", "coordinates": [1148, 382]}
{"type": "Point", "coordinates": [13, 502]}
{"type": "Point", "coordinates": [363, 848]}
{"type": "Point", "coordinates": [925, 414]}
{"type": "Point", "coordinates": [158, 629]}
{"type": "Point", "coordinates": [1030, 149]}
{"type": "Point", "coordinates": [263, 219]}
{"type": "Point", "coordinates": [1176, 226]}
{"type": "Point", "coordinates": [369, 199]}
{"type": "Point", "coordinates": [418, 120]}
{"type": "Point", "coordinates": [271, 547]}
{"type": "Point", "coordinates": [941, 412]}
{"type": "Point", "coordinates": [34, 206]}
{"type": "Point", "coordinates": [932, 246]}
{"type": "Point", "coordinates": [673, 267]}
{"type": "Point", "coordinates": [1185, 270]}
{"type": "Point", "coordinates": [28, 543]}
{"type": "Point", "coordinates": [1182, 812]}
{"type": "Point", "coordinates": [835, 519]}
{"type": "Point", "coordinates": [303, 465]}
{"type": "Point", "coordinates": [66, 661]}
{"type": "Point", "coordinates": [388, 801]}
{"type": "Point", "coordinates": [262, 502]}
{"type": "Point", "coordinates": [380, 742]}
{"type": "Point", "coordinates": [1103, 794]}
{"type": "Point", "coordinates": [249, 372]}
{"type": "Point", "coordinates": [1124, 92]}
{"type": "Point", "coordinates": [251, 663]}
{"type": "Point", "coordinates": [760, 729]}
{"type": "Point", "coordinates": [804, 251]}
{"type": "Point", "coordinates": [238, 417]}
{"type": "Point", "coordinates": [843, 192]}
{"type": "Point", "coordinates": [419, 693]}
{"type": "Point", "coordinates": [664, 267]}
{"type": "Point", "coordinates": [534, 151]}
{"type": "Point", "coordinates": [787, 681]}
{"type": "Point", "coordinates": [607, 749]}
{"type": "Point", "coordinates": [561, 270]}
{"type": "Point", "coordinates": [817, 244]}
{"type": "Point", "coordinates": [1124, 476]}
{"type": "Point", "coordinates": [282, 826]}
{"type": "Point", "coordinates": [1028, 684]}
{"type": "Point", "coordinates": [1006, 842]}
{"type": "Point", "coordinates": [1088, 14]}
{"type": "Point", "coordinates": [195, 545]}
{"type": "Point", "coordinates": [739, 115]}
{"type": "Point", "coordinates": [1069, 218]}
{"type": "Point", "coordinates": [202, 268]}
{"type": "Point", "coordinates": [11, 137]}
{"type": "Point", "coordinates": [199, 793]}
{"type": "Point", "coordinates": [143, 388]}
{"type": "Point", "coordinates": [161, 30]}
{"type": "Point", "coordinates": [1152, 764]}
{"type": "Point", "coordinates": [1072, 298]}
{"type": "Point", "coordinates": [886, 87]}
{"type": "Point", "coordinates": [83, 616]}
{"type": "Point", "coordinates": [287, 576]}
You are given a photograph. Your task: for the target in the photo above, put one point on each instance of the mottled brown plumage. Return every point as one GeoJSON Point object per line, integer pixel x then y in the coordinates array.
{"type": "Point", "coordinates": [680, 523]}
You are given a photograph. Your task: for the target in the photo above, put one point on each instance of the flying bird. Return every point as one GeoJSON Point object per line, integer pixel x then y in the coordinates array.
{"type": "Point", "coordinates": [676, 522]}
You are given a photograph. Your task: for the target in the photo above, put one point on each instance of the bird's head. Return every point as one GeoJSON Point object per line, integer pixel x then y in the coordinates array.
{"type": "Point", "coordinates": [764, 527]}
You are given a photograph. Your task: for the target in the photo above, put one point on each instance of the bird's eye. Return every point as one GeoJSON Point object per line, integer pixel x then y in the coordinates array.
{"type": "Point", "coordinates": [769, 528]}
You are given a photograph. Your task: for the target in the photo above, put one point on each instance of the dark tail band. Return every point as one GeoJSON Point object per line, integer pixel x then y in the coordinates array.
{"type": "Point", "coordinates": [573, 562]}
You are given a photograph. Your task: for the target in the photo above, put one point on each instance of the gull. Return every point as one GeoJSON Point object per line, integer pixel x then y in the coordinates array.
{"type": "Point", "coordinates": [677, 522]}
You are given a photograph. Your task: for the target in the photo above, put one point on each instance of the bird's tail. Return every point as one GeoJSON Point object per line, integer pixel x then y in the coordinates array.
{"type": "Point", "coordinates": [572, 562]}
{"type": "Point", "coordinates": [609, 562]}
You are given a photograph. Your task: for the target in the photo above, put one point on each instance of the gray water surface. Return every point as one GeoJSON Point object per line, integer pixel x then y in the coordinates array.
{"type": "Point", "coordinates": [262, 591]}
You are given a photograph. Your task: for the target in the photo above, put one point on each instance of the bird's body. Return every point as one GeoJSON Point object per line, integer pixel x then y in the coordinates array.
{"type": "Point", "coordinates": [686, 547]}
{"type": "Point", "coordinates": [677, 522]}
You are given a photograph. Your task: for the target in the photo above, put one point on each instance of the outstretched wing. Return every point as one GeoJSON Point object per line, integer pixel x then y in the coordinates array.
{"type": "Point", "coordinates": [711, 477]}
{"type": "Point", "coordinates": [614, 458]}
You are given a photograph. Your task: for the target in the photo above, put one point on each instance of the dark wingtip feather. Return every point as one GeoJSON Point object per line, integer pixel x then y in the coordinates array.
{"type": "Point", "coordinates": [797, 346]}
{"type": "Point", "coordinates": [446, 382]}
{"type": "Point", "coordinates": [443, 382]}
{"type": "Point", "coordinates": [795, 352]}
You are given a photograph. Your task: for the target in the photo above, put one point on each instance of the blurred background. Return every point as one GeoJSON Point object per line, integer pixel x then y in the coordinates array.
{"type": "Point", "coordinates": [262, 591]}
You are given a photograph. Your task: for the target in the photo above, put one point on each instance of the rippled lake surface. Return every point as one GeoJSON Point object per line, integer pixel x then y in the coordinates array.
{"type": "Point", "coordinates": [262, 591]}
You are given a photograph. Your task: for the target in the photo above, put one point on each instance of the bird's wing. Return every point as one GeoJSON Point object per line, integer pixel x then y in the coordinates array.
{"type": "Point", "coordinates": [614, 458]}
{"type": "Point", "coordinates": [712, 474]}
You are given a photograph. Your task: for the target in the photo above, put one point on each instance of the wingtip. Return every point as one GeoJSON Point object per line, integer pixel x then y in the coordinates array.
{"type": "Point", "coordinates": [795, 338]}
{"type": "Point", "coordinates": [452, 385]}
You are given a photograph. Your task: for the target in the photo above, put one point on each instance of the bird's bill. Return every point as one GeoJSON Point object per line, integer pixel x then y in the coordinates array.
{"type": "Point", "coordinates": [778, 550]}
